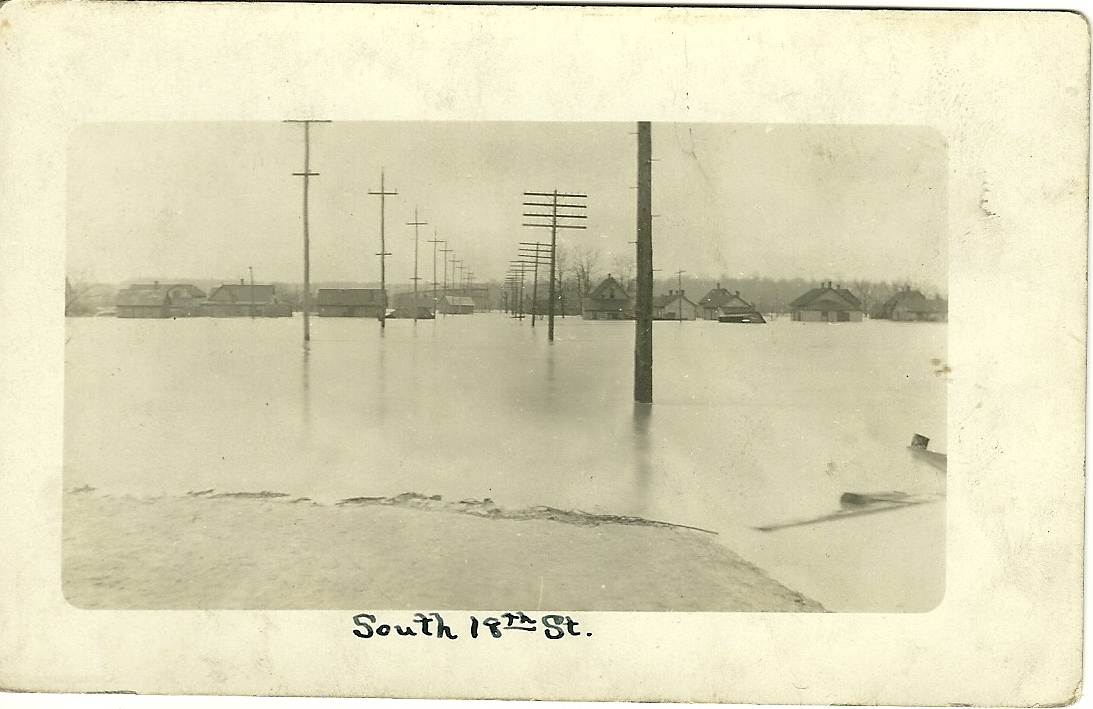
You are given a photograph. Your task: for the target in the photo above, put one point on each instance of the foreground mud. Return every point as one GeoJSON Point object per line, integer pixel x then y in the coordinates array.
{"type": "Point", "coordinates": [266, 550]}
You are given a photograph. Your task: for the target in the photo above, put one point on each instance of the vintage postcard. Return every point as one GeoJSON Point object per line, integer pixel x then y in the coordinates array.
{"type": "Point", "coordinates": [737, 354]}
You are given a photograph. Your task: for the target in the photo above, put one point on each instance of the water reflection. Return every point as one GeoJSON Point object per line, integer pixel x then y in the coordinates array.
{"type": "Point", "coordinates": [643, 456]}
{"type": "Point", "coordinates": [305, 389]}
{"type": "Point", "coordinates": [496, 412]}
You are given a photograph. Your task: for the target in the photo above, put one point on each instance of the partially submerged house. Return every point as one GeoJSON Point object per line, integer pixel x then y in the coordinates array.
{"type": "Point", "coordinates": [233, 300]}
{"type": "Point", "coordinates": [456, 305]}
{"type": "Point", "coordinates": [608, 301]}
{"type": "Point", "coordinates": [479, 295]}
{"type": "Point", "coordinates": [675, 305]}
{"type": "Point", "coordinates": [827, 303]}
{"type": "Point", "coordinates": [728, 306]}
{"type": "Point", "coordinates": [911, 305]}
{"type": "Point", "coordinates": [709, 305]}
{"type": "Point", "coordinates": [406, 312]}
{"type": "Point", "coordinates": [156, 300]}
{"type": "Point", "coordinates": [352, 302]}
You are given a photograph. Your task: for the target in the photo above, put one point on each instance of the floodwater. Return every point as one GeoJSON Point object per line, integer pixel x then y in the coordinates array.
{"type": "Point", "coordinates": [751, 425]}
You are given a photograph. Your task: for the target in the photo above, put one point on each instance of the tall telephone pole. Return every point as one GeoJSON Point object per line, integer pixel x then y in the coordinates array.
{"type": "Point", "coordinates": [307, 174]}
{"type": "Point", "coordinates": [434, 241]}
{"type": "Point", "coordinates": [552, 222]}
{"type": "Point", "coordinates": [643, 335]}
{"type": "Point", "coordinates": [679, 277]}
{"type": "Point", "coordinates": [415, 224]}
{"type": "Point", "coordinates": [383, 194]}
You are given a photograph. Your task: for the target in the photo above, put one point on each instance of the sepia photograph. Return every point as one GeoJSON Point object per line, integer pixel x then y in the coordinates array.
{"type": "Point", "coordinates": [582, 366]}
{"type": "Point", "coordinates": [550, 353]}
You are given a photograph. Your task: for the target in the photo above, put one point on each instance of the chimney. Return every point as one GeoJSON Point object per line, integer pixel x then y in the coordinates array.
{"type": "Point", "coordinates": [242, 282]}
{"type": "Point", "coordinates": [839, 287]}
{"type": "Point", "coordinates": [155, 284]}
{"type": "Point", "coordinates": [719, 285]}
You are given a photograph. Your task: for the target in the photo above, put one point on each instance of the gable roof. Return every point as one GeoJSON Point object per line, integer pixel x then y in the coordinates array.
{"type": "Point", "coordinates": [716, 297]}
{"type": "Point", "coordinates": [606, 286]}
{"type": "Point", "coordinates": [830, 298]}
{"type": "Point", "coordinates": [242, 293]}
{"type": "Point", "coordinates": [667, 299]}
{"type": "Point", "coordinates": [351, 296]}
{"type": "Point", "coordinates": [914, 301]}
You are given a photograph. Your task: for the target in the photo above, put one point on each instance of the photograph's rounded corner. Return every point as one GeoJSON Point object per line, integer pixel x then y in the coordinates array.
{"type": "Point", "coordinates": [1076, 19]}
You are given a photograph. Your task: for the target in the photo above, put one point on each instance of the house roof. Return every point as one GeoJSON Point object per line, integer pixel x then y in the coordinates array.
{"type": "Point", "coordinates": [147, 294]}
{"type": "Point", "coordinates": [915, 301]}
{"type": "Point", "coordinates": [719, 298]}
{"type": "Point", "coordinates": [716, 297]}
{"type": "Point", "coordinates": [667, 299]}
{"type": "Point", "coordinates": [131, 297]}
{"type": "Point", "coordinates": [351, 296]}
{"type": "Point", "coordinates": [827, 298]}
{"type": "Point", "coordinates": [608, 284]}
{"type": "Point", "coordinates": [242, 293]}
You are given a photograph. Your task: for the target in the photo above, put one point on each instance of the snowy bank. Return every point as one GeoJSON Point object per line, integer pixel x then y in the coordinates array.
{"type": "Point", "coordinates": [267, 550]}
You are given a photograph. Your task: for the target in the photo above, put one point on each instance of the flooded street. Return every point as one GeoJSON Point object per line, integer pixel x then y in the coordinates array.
{"type": "Point", "coordinates": [751, 426]}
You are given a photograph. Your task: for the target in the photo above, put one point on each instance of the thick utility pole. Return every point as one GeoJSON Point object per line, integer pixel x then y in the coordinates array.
{"type": "Point", "coordinates": [643, 316]}
{"type": "Point", "coordinates": [415, 224]}
{"type": "Point", "coordinates": [679, 277]}
{"type": "Point", "coordinates": [552, 222]}
{"type": "Point", "coordinates": [307, 174]}
{"type": "Point", "coordinates": [436, 300]}
{"type": "Point", "coordinates": [383, 194]}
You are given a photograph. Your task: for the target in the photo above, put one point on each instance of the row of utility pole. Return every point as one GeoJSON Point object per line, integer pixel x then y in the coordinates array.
{"type": "Point", "coordinates": [383, 193]}
{"type": "Point", "coordinates": [547, 212]}
{"type": "Point", "coordinates": [552, 210]}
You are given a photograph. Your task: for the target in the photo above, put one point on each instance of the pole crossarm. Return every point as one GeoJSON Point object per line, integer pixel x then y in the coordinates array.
{"type": "Point", "coordinates": [555, 194]}
{"type": "Point", "coordinates": [553, 220]}
{"type": "Point", "coordinates": [559, 205]}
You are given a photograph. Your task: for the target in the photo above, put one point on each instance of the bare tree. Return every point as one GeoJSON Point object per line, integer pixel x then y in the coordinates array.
{"type": "Point", "coordinates": [75, 303]}
{"type": "Point", "coordinates": [586, 259]}
{"type": "Point", "coordinates": [623, 267]}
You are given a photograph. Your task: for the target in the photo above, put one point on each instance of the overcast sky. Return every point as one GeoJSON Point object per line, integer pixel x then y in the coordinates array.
{"type": "Point", "coordinates": [206, 200]}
